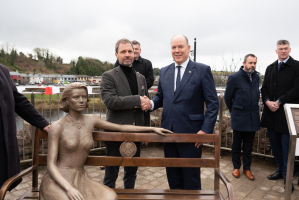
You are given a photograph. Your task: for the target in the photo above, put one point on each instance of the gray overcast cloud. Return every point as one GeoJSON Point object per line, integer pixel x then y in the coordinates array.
{"type": "Point", "coordinates": [229, 29]}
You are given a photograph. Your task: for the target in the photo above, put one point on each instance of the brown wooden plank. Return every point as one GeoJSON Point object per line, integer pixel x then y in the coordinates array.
{"type": "Point", "coordinates": [42, 159]}
{"type": "Point", "coordinates": [166, 196]}
{"type": "Point", "coordinates": [140, 137]}
{"type": "Point", "coordinates": [164, 191]}
{"type": "Point", "coordinates": [42, 134]}
{"type": "Point", "coordinates": [142, 162]}
{"type": "Point", "coordinates": [149, 162]}
{"type": "Point", "coordinates": [151, 137]}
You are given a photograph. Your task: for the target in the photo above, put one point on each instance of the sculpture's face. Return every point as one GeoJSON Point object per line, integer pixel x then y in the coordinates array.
{"type": "Point", "coordinates": [77, 100]}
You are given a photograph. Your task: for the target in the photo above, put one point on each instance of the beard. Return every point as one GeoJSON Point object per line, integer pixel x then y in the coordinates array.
{"type": "Point", "coordinates": [127, 64]}
{"type": "Point", "coordinates": [249, 71]}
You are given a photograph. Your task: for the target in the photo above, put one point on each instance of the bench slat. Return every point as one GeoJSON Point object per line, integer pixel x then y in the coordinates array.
{"type": "Point", "coordinates": [167, 196]}
{"type": "Point", "coordinates": [164, 191]}
{"type": "Point", "coordinates": [142, 162]}
{"type": "Point", "coordinates": [145, 137]}
{"type": "Point", "coordinates": [151, 137]}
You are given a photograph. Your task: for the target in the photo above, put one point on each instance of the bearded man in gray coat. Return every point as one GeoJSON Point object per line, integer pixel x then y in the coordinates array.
{"type": "Point", "coordinates": [123, 91]}
{"type": "Point", "coordinates": [12, 101]}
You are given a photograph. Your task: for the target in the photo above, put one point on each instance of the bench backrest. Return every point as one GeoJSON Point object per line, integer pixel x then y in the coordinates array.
{"type": "Point", "coordinates": [41, 159]}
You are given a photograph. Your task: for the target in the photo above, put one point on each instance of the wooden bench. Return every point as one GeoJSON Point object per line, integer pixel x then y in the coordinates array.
{"type": "Point", "coordinates": [41, 159]}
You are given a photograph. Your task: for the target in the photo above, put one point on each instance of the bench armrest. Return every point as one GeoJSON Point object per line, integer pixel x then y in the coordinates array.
{"type": "Point", "coordinates": [227, 184]}
{"type": "Point", "coordinates": [11, 180]}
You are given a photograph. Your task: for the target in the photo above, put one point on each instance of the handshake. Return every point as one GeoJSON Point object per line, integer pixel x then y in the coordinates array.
{"type": "Point", "coordinates": [145, 103]}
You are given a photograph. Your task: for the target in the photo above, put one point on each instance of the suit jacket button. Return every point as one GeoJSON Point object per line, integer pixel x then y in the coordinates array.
{"type": "Point", "coordinates": [135, 106]}
{"type": "Point", "coordinates": [134, 110]}
{"type": "Point", "coordinates": [173, 104]}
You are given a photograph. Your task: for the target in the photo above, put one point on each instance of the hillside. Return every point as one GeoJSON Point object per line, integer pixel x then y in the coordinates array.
{"type": "Point", "coordinates": [45, 62]}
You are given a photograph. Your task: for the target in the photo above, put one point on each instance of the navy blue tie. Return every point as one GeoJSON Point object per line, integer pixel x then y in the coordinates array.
{"type": "Point", "coordinates": [178, 78]}
{"type": "Point", "coordinates": [279, 65]}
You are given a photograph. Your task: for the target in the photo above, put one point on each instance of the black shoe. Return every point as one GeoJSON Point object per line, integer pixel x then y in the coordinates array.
{"type": "Point", "coordinates": [292, 186]}
{"type": "Point", "coordinates": [274, 176]}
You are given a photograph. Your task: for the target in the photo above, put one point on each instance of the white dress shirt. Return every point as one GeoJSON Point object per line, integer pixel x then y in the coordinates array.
{"type": "Point", "coordinates": [183, 68]}
{"type": "Point", "coordinates": [284, 60]}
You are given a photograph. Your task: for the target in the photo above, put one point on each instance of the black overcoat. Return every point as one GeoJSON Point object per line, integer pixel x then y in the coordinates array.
{"type": "Point", "coordinates": [283, 85]}
{"type": "Point", "coordinates": [242, 98]}
{"type": "Point", "coordinates": [12, 101]}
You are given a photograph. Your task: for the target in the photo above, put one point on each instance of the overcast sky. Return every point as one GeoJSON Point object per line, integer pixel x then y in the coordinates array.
{"type": "Point", "coordinates": [224, 29]}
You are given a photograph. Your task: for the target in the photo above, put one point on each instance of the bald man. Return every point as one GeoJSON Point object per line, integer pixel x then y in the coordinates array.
{"type": "Point", "coordinates": [184, 87]}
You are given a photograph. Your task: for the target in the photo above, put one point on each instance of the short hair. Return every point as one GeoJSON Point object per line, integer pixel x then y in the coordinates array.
{"type": "Point", "coordinates": [249, 55]}
{"type": "Point", "coordinates": [67, 92]}
{"type": "Point", "coordinates": [283, 42]}
{"type": "Point", "coordinates": [122, 41]}
{"type": "Point", "coordinates": [187, 41]}
{"type": "Point", "coordinates": [135, 42]}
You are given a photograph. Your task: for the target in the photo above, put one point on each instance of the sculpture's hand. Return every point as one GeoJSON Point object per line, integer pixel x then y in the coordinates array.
{"type": "Point", "coordinates": [162, 131]}
{"type": "Point", "coordinates": [74, 194]}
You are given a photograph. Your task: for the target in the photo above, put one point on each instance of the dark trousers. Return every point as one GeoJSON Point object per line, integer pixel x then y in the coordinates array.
{"type": "Point", "coordinates": [280, 147]}
{"type": "Point", "coordinates": [111, 172]}
{"type": "Point", "coordinates": [182, 177]}
{"type": "Point", "coordinates": [247, 138]}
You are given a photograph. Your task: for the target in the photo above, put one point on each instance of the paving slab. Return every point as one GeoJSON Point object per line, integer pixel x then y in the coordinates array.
{"type": "Point", "coordinates": [155, 178]}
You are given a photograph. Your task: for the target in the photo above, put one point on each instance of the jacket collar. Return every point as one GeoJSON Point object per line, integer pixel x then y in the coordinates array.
{"type": "Point", "coordinates": [253, 75]}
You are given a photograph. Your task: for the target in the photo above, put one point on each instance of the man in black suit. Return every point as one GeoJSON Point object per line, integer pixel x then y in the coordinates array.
{"type": "Point", "coordinates": [280, 86]}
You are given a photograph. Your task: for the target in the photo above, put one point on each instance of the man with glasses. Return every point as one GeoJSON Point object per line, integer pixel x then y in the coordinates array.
{"type": "Point", "coordinates": [280, 86]}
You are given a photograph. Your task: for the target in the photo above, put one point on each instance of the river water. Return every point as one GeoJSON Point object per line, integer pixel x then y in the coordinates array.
{"type": "Point", "coordinates": [53, 116]}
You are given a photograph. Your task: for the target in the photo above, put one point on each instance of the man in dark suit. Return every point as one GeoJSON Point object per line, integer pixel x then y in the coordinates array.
{"type": "Point", "coordinates": [12, 101]}
{"type": "Point", "coordinates": [280, 86]}
{"type": "Point", "coordinates": [242, 97]}
{"type": "Point", "coordinates": [184, 87]}
{"type": "Point", "coordinates": [122, 90]}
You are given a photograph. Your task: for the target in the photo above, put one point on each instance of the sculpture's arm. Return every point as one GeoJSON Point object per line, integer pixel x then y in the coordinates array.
{"type": "Point", "coordinates": [102, 124]}
{"type": "Point", "coordinates": [53, 147]}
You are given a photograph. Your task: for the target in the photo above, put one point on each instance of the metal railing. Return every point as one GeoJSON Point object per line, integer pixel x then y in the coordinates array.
{"type": "Point", "coordinates": [261, 145]}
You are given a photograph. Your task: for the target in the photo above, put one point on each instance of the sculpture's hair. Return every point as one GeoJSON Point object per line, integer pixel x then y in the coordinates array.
{"type": "Point", "coordinates": [249, 55]}
{"type": "Point", "coordinates": [67, 92]}
{"type": "Point", "coordinates": [122, 41]}
{"type": "Point", "coordinates": [283, 42]}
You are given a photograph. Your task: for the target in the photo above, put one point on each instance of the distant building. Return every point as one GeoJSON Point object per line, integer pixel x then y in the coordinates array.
{"type": "Point", "coordinates": [95, 79]}
{"type": "Point", "coordinates": [40, 78]}
{"type": "Point", "coordinates": [82, 78]}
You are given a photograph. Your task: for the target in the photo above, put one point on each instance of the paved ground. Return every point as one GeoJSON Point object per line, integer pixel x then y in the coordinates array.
{"type": "Point", "coordinates": [148, 178]}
